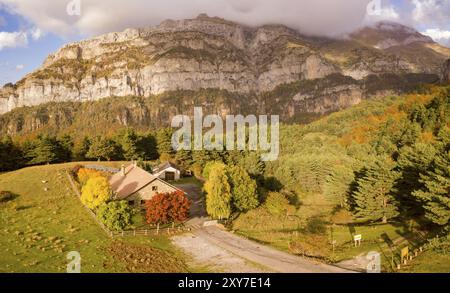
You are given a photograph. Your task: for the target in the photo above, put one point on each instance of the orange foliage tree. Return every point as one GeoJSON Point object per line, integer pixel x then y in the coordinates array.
{"type": "Point", "coordinates": [166, 208]}
{"type": "Point", "coordinates": [85, 174]}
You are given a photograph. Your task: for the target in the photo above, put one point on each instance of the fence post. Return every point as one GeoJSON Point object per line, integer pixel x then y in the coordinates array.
{"type": "Point", "coordinates": [146, 232]}
{"type": "Point", "coordinates": [157, 229]}
{"type": "Point", "coordinates": [122, 233]}
{"type": "Point", "coordinates": [134, 232]}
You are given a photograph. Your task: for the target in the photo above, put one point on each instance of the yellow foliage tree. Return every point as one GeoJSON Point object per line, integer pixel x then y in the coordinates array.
{"type": "Point", "coordinates": [85, 174]}
{"type": "Point", "coordinates": [96, 192]}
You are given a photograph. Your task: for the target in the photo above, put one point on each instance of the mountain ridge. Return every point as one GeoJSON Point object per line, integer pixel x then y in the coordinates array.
{"type": "Point", "coordinates": [213, 53]}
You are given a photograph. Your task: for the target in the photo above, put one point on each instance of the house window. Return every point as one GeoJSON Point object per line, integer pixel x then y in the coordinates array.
{"type": "Point", "coordinates": [131, 202]}
{"type": "Point", "coordinates": [142, 202]}
{"type": "Point", "coordinates": [155, 188]}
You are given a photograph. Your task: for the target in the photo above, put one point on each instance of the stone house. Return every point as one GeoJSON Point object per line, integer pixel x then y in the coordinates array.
{"type": "Point", "coordinates": [136, 185]}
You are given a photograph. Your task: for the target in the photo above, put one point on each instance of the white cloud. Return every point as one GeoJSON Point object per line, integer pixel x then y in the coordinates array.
{"type": "Point", "coordinates": [321, 17]}
{"type": "Point", "coordinates": [431, 12]}
{"type": "Point", "coordinates": [20, 67]}
{"type": "Point", "coordinates": [13, 40]}
{"type": "Point", "coordinates": [440, 36]}
{"type": "Point", "coordinates": [36, 33]}
{"type": "Point", "coordinates": [383, 12]}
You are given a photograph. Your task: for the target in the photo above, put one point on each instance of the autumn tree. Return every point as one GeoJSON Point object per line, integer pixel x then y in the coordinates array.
{"type": "Point", "coordinates": [166, 208]}
{"type": "Point", "coordinates": [218, 193]}
{"type": "Point", "coordinates": [373, 199]}
{"type": "Point", "coordinates": [243, 189]}
{"type": "Point", "coordinates": [84, 174]}
{"type": "Point", "coordinates": [96, 192]}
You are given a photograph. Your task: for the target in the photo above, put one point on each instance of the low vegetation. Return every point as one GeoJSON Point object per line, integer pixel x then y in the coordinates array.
{"type": "Point", "coordinates": [43, 221]}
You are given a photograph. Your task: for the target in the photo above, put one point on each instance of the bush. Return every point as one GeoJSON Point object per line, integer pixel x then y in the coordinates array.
{"type": "Point", "coordinates": [96, 192]}
{"type": "Point", "coordinates": [116, 215]}
{"type": "Point", "coordinates": [276, 203]}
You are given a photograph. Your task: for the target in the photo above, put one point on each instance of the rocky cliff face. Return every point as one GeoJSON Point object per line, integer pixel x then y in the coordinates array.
{"type": "Point", "coordinates": [445, 75]}
{"type": "Point", "coordinates": [212, 53]}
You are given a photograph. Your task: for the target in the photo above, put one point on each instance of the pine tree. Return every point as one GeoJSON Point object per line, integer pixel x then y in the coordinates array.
{"type": "Point", "coordinates": [243, 189]}
{"type": "Point", "coordinates": [45, 150]}
{"type": "Point", "coordinates": [104, 148]}
{"type": "Point", "coordinates": [164, 141]}
{"type": "Point", "coordinates": [338, 184]}
{"type": "Point", "coordinates": [218, 194]}
{"type": "Point", "coordinates": [373, 199]}
{"type": "Point", "coordinates": [412, 162]}
{"type": "Point", "coordinates": [435, 195]}
{"type": "Point", "coordinates": [130, 142]}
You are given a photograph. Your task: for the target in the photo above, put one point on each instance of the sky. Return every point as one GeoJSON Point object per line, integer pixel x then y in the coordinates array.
{"type": "Point", "coordinates": [30, 30]}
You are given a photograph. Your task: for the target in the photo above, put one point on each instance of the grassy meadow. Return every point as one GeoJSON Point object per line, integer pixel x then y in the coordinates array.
{"type": "Point", "coordinates": [45, 221]}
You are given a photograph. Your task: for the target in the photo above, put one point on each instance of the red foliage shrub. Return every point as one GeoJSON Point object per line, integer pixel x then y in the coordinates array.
{"type": "Point", "coordinates": [166, 208]}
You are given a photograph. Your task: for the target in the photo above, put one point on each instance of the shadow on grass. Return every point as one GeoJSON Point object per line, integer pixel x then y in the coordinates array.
{"type": "Point", "coordinates": [7, 196]}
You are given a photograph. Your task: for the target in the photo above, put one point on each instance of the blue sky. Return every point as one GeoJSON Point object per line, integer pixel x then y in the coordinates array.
{"type": "Point", "coordinates": [30, 30]}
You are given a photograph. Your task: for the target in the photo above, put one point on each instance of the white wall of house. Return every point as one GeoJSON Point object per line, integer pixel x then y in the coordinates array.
{"type": "Point", "coordinates": [164, 176]}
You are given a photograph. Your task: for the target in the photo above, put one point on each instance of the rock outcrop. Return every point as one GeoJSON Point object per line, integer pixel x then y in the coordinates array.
{"type": "Point", "coordinates": [212, 53]}
{"type": "Point", "coordinates": [445, 75]}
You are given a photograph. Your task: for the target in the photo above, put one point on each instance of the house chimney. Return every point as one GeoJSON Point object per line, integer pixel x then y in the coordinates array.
{"type": "Point", "coordinates": [122, 170]}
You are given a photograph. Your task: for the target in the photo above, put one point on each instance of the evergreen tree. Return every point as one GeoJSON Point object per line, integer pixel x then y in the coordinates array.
{"type": "Point", "coordinates": [148, 145]}
{"type": "Point", "coordinates": [435, 195]}
{"type": "Point", "coordinates": [252, 163]}
{"type": "Point", "coordinates": [67, 146]}
{"type": "Point", "coordinates": [45, 150]}
{"type": "Point", "coordinates": [10, 155]}
{"type": "Point", "coordinates": [104, 148]}
{"type": "Point", "coordinates": [373, 198]}
{"type": "Point", "coordinates": [81, 149]}
{"type": "Point", "coordinates": [184, 159]}
{"type": "Point", "coordinates": [131, 147]}
{"type": "Point", "coordinates": [338, 184]}
{"type": "Point", "coordinates": [164, 141]}
{"type": "Point", "coordinates": [243, 189]}
{"type": "Point", "coordinates": [412, 162]}
{"type": "Point", "coordinates": [218, 194]}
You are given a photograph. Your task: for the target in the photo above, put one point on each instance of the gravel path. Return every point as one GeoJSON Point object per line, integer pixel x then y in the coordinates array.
{"type": "Point", "coordinates": [219, 249]}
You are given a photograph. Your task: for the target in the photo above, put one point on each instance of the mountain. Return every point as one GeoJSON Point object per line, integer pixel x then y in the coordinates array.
{"type": "Point", "coordinates": [270, 69]}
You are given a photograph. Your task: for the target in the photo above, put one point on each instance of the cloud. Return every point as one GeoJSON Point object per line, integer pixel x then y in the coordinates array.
{"type": "Point", "coordinates": [20, 67]}
{"type": "Point", "coordinates": [316, 17]}
{"type": "Point", "coordinates": [440, 36]}
{"type": "Point", "coordinates": [431, 12]}
{"type": "Point", "coordinates": [36, 33]}
{"type": "Point", "coordinates": [13, 39]}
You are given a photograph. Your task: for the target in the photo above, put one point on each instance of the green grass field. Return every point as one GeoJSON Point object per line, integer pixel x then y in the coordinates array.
{"type": "Point", "coordinates": [306, 230]}
{"type": "Point", "coordinates": [46, 221]}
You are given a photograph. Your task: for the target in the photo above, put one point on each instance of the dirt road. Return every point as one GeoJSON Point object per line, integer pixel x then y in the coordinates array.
{"type": "Point", "coordinates": [223, 251]}
{"type": "Point", "coordinates": [262, 258]}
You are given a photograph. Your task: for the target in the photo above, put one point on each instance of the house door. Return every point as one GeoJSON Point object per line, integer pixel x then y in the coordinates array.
{"type": "Point", "coordinates": [170, 176]}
